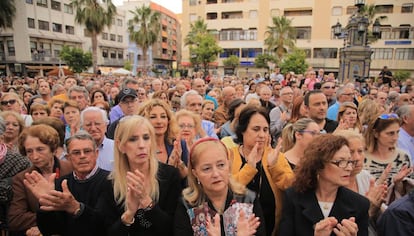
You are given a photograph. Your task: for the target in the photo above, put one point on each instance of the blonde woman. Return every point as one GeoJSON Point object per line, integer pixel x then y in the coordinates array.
{"type": "Point", "coordinates": [12, 102]}
{"type": "Point", "coordinates": [14, 127]}
{"type": "Point", "coordinates": [348, 118]}
{"type": "Point", "coordinates": [190, 126]}
{"type": "Point", "coordinates": [145, 191]}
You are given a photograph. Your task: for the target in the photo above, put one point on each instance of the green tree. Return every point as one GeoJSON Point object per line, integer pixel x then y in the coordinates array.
{"type": "Point", "coordinates": [7, 13]}
{"type": "Point", "coordinates": [95, 15]}
{"type": "Point", "coordinates": [371, 12]}
{"type": "Point", "coordinates": [280, 36]}
{"type": "Point", "coordinates": [144, 28]}
{"type": "Point", "coordinates": [76, 58]}
{"type": "Point", "coordinates": [128, 65]}
{"type": "Point", "coordinates": [401, 75]}
{"type": "Point", "coordinates": [295, 61]}
{"type": "Point", "coordinates": [262, 59]}
{"type": "Point", "coordinates": [232, 61]}
{"type": "Point", "coordinates": [202, 44]}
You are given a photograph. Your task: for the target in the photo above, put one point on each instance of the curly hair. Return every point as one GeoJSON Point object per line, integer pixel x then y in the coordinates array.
{"type": "Point", "coordinates": [45, 133]}
{"type": "Point", "coordinates": [317, 156]}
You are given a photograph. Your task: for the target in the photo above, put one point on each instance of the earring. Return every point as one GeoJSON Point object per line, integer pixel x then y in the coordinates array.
{"type": "Point", "coordinates": [198, 181]}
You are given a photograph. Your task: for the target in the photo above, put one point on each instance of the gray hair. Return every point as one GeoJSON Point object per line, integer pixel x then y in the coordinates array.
{"type": "Point", "coordinates": [2, 126]}
{"type": "Point", "coordinates": [55, 88]}
{"type": "Point", "coordinates": [93, 109]}
{"type": "Point", "coordinates": [404, 111]}
{"type": "Point", "coordinates": [184, 97]}
{"type": "Point", "coordinates": [128, 81]}
{"type": "Point", "coordinates": [81, 135]}
{"type": "Point", "coordinates": [79, 89]}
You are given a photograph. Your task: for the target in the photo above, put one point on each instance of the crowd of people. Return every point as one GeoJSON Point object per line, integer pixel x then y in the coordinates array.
{"type": "Point", "coordinates": [279, 154]}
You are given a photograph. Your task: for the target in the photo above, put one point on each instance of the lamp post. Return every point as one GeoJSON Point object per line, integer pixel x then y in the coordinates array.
{"type": "Point", "coordinates": [355, 55]}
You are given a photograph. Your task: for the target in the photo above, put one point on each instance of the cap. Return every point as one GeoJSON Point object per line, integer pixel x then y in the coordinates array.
{"type": "Point", "coordinates": [126, 93]}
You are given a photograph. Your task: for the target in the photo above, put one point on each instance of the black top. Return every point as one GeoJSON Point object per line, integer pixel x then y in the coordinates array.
{"type": "Point", "coordinates": [87, 192]}
{"type": "Point", "coordinates": [330, 125]}
{"type": "Point", "coordinates": [182, 224]}
{"type": "Point", "coordinates": [110, 132]}
{"type": "Point", "coordinates": [158, 220]}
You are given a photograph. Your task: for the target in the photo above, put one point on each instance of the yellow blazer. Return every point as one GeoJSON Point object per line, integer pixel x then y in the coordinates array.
{"type": "Point", "coordinates": [280, 176]}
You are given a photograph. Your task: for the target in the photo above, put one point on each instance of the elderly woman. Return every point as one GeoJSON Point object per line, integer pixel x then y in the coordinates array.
{"type": "Point", "coordinates": [12, 102]}
{"type": "Point", "coordinates": [171, 149]}
{"type": "Point", "coordinates": [38, 111]}
{"type": "Point", "coordinates": [14, 127]}
{"type": "Point", "coordinates": [190, 126]}
{"type": "Point", "coordinates": [296, 138]}
{"type": "Point", "coordinates": [56, 107]}
{"type": "Point", "coordinates": [213, 194]}
{"type": "Point", "coordinates": [348, 117]}
{"type": "Point", "coordinates": [145, 191]}
{"type": "Point", "coordinates": [38, 143]}
{"type": "Point", "coordinates": [258, 166]}
{"type": "Point", "coordinates": [207, 110]}
{"type": "Point", "coordinates": [318, 202]}
{"type": "Point", "coordinates": [11, 163]}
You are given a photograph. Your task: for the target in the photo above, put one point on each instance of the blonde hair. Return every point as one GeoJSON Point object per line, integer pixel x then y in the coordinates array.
{"type": "Point", "coordinates": [172, 128]}
{"type": "Point", "coordinates": [19, 118]}
{"type": "Point", "coordinates": [368, 110]}
{"type": "Point", "coordinates": [197, 121]}
{"type": "Point", "coordinates": [194, 193]}
{"type": "Point", "coordinates": [123, 132]}
{"type": "Point", "coordinates": [288, 133]}
{"type": "Point", "coordinates": [342, 109]}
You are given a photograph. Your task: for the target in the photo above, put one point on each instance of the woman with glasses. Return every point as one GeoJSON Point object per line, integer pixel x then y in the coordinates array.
{"type": "Point", "coordinates": [171, 149]}
{"type": "Point", "coordinates": [190, 128]}
{"type": "Point", "coordinates": [296, 138]}
{"type": "Point", "coordinates": [259, 167]}
{"type": "Point", "coordinates": [348, 117]}
{"type": "Point", "coordinates": [213, 199]}
{"type": "Point", "coordinates": [381, 141]}
{"type": "Point", "coordinates": [318, 202]}
{"type": "Point", "coordinates": [145, 191]}
{"type": "Point", "coordinates": [39, 143]}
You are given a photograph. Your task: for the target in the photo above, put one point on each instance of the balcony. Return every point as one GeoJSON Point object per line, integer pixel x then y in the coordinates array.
{"type": "Point", "coordinates": [113, 62]}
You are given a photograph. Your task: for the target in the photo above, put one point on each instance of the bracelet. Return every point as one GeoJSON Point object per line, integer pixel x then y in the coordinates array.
{"type": "Point", "coordinates": [149, 207]}
{"type": "Point", "coordinates": [127, 223]}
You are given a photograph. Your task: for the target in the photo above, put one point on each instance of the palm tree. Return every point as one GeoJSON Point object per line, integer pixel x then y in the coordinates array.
{"type": "Point", "coordinates": [144, 28]}
{"type": "Point", "coordinates": [371, 11]}
{"type": "Point", "coordinates": [7, 13]}
{"type": "Point", "coordinates": [95, 15]}
{"type": "Point", "coordinates": [281, 36]}
{"type": "Point", "coordinates": [199, 27]}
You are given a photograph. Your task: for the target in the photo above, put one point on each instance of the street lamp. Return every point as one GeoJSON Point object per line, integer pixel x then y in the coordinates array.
{"type": "Point", "coordinates": [376, 28]}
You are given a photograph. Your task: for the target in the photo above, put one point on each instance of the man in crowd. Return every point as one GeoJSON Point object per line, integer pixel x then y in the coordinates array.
{"type": "Point", "coordinates": [80, 95]}
{"type": "Point", "coordinates": [221, 114]}
{"type": "Point", "coordinates": [381, 98]}
{"type": "Point", "coordinates": [386, 76]}
{"type": "Point", "coordinates": [406, 135]}
{"type": "Point", "coordinates": [44, 91]}
{"type": "Point", "coordinates": [94, 121]}
{"type": "Point", "coordinates": [116, 111]}
{"type": "Point", "coordinates": [200, 86]}
{"type": "Point", "coordinates": [328, 88]}
{"type": "Point", "coordinates": [343, 94]}
{"type": "Point", "coordinates": [265, 94]}
{"type": "Point", "coordinates": [316, 105]}
{"type": "Point", "coordinates": [281, 114]}
{"type": "Point", "coordinates": [192, 101]}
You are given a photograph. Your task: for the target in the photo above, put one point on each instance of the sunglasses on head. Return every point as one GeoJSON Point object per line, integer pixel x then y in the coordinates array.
{"type": "Point", "coordinates": [5, 102]}
{"type": "Point", "coordinates": [389, 116]}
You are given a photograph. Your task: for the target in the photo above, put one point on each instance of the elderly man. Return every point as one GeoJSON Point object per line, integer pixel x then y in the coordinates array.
{"type": "Point", "coordinates": [200, 86]}
{"type": "Point", "coordinates": [116, 111]}
{"type": "Point", "coordinates": [69, 207]}
{"type": "Point", "coordinates": [80, 95]}
{"type": "Point", "coordinates": [265, 94]}
{"type": "Point", "coordinates": [281, 114]}
{"type": "Point", "coordinates": [94, 121]}
{"type": "Point", "coordinates": [343, 94]}
{"type": "Point", "coordinates": [221, 115]}
{"type": "Point", "coordinates": [406, 135]}
{"type": "Point", "coordinates": [316, 105]}
{"type": "Point", "coordinates": [128, 102]}
{"type": "Point", "coordinates": [192, 101]}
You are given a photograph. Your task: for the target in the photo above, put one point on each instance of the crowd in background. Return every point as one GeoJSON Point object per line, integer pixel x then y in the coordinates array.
{"type": "Point", "coordinates": [271, 154]}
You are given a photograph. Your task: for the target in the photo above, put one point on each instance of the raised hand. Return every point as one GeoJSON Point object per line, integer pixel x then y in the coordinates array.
{"type": "Point", "coordinates": [325, 226]}
{"type": "Point", "coordinates": [59, 201]}
{"type": "Point", "coordinates": [253, 155]}
{"type": "Point", "coordinates": [37, 184]}
{"type": "Point", "coordinates": [376, 193]}
{"type": "Point", "coordinates": [247, 226]}
{"type": "Point", "coordinates": [274, 153]}
{"type": "Point", "coordinates": [175, 156]}
{"type": "Point", "coordinates": [213, 226]}
{"type": "Point", "coordinates": [33, 231]}
{"type": "Point", "coordinates": [347, 227]}
{"type": "Point", "coordinates": [384, 176]}
{"type": "Point", "coordinates": [404, 172]}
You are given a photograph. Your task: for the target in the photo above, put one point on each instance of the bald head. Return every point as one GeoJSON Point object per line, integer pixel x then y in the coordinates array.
{"type": "Point", "coordinates": [229, 94]}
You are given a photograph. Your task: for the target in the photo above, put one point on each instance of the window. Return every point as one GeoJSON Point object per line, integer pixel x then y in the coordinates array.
{"type": "Point", "coordinates": [104, 53]}
{"type": "Point", "coordinates": [251, 52]}
{"type": "Point", "coordinates": [69, 29]}
{"type": "Point", "coordinates": [308, 52]}
{"type": "Point", "coordinates": [351, 10]}
{"type": "Point", "coordinates": [33, 47]}
{"type": "Point", "coordinates": [120, 39]}
{"type": "Point", "coordinates": [380, 9]}
{"type": "Point", "coordinates": [29, 1]}
{"type": "Point", "coordinates": [211, 16]}
{"type": "Point", "coordinates": [119, 22]}
{"type": "Point", "coordinates": [57, 27]}
{"type": "Point", "coordinates": [404, 54]}
{"type": "Point", "coordinates": [303, 32]}
{"type": "Point", "coordinates": [67, 8]}
{"type": "Point", "coordinates": [382, 53]}
{"type": "Point", "coordinates": [193, 2]}
{"type": "Point", "coordinates": [325, 53]}
{"type": "Point", "coordinates": [105, 36]}
{"type": "Point", "coordinates": [10, 48]}
{"type": "Point", "coordinates": [401, 32]}
{"type": "Point", "coordinates": [56, 50]}
{"type": "Point", "coordinates": [230, 51]}
{"type": "Point", "coordinates": [120, 54]}
{"type": "Point", "coordinates": [55, 5]}
{"type": "Point", "coordinates": [113, 55]}
{"type": "Point", "coordinates": [112, 37]}
{"type": "Point", "coordinates": [337, 11]}
{"type": "Point", "coordinates": [232, 15]}
{"type": "Point", "coordinates": [42, 3]}
{"type": "Point", "coordinates": [298, 12]}
{"type": "Point", "coordinates": [43, 25]}
{"type": "Point", "coordinates": [407, 8]}
{"type": "Point", "coordinates": [31, 23]}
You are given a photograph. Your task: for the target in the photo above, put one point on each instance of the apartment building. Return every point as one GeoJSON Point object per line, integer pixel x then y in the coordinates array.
{"type": "Point", "coordinates": [240, 27]}
{"type": "Point", "coordinates": [42, 27]}
{"type": "Point", "coordinates": [166, 51]}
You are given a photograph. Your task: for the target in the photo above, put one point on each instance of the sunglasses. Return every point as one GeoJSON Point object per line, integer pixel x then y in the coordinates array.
{"type": "Point", "coordinates": [389, 116]}
{"type": "Point", "coordinates": [5, 102]}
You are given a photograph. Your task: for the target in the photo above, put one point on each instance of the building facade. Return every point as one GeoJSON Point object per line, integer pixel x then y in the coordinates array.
{"type": "Point", "coordinates": [42, 27]}
{"type": "Point", "coordinates": [240, 26]}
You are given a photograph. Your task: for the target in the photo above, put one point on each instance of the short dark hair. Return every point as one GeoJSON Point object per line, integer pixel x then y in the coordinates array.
{"type": "Point", "coordinates": [308, 94]}
{"type": "Point", "coordinates": [233, 106]}
{"type": "Point", "coordinates": [244, 120]}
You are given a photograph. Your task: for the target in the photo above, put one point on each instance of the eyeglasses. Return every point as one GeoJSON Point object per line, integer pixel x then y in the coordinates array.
{"type": "Point", "coordinates": [5, 102]}
{"type": "Point", "coordinates": [344, 163]}
{"type": "Point", "coordinates": [328, 87]}
{"type": "Point", "coordinates": [184, 126]}
{"type": "Point", "coordinates": [311, 132]}
{"type": "Point", "coordinates": [78, 153]}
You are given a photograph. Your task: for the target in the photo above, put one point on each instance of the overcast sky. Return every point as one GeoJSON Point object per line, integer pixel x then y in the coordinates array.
{"type": "Point", "coordinates": [173, 5]}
